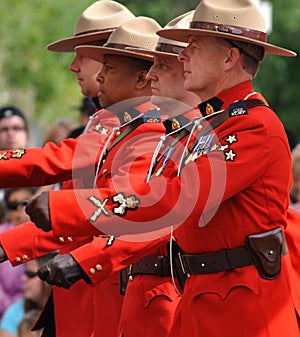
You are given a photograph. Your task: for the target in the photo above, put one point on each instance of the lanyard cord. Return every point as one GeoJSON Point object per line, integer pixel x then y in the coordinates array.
{"type": "Point", "coordinates": [171, 263]}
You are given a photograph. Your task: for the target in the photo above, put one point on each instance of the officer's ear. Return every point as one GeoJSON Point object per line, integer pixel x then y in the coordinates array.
{"type": "Point", "coordinates": [232, 57]}
{"type": "Point", "coordinates": [141, 81]}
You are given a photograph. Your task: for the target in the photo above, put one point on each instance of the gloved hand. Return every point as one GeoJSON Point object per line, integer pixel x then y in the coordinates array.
{"type": "Point", "coordinates": [62, 271]}
{"type": "Point", "coordinates": [38, 210]}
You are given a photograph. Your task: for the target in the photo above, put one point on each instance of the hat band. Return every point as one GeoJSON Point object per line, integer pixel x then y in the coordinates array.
{"type": "Point", "coordinates": [169, 48]}
{"type": "Point", "coordinates": [235, 30]}
{"type": "Point", "coordinates": [95, 31]}
{"type": "Point", "coordinates": [117, 46]}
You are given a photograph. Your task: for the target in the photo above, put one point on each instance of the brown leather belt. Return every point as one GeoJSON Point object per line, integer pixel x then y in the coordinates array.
{"type": "Point", "coordinates": [152, 265]}
{"type": "Point", "coordinates": [226, 259]}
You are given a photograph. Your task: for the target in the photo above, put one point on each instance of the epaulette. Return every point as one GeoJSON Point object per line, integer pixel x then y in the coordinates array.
{"type": "Point", "coordinates": [128, 115]}
{"type": "Point", "coordinates": [241, 107]}
{"type": "Point", "coordinates": [210, 106]}
{"type": "Point", "coordinates": [152, 116]}
{"type": "Point", "coordinates": [172, 124]}
{"type": "Point", "coordinates": [237, 109]}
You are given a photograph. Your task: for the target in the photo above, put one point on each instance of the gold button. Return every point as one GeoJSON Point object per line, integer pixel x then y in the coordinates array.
{"type": "Point", "coordinates": [18, 259]}
{"type": "Point", "coordinates": [98, 267]}
{"type": "Point", "coordinates": [24, 257]}
{"type": "Point", "coordinates": [93, 271]}
{"type": "Point", "coordinates": [70, 239]}
{"type": "Point", "coordinates": [118, 133]}
{"type": "Point", "coordinates": [61, 239]}
{"type": "Point", "coordinates": [130, 278]}
{"type": "Point", "coordinates": [105, 170]}
{"type": "Point", "coordinates": [103, 161]}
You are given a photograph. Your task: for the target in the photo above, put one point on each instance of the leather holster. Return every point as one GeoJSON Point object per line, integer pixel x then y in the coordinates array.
{"type": "Point", "coordinates": [266, 250]}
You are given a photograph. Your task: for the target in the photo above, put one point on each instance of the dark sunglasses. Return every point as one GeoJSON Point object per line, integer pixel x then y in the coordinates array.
{"type": "Point", "coordinates": [13, 205]}
{"type": "Point", "coordinates": [30, 274]}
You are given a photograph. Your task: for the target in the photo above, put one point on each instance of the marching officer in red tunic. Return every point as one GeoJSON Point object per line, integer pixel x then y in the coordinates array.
{"type": "Point", "coordinates": [150, 298]}
{"type": "Point", "coordinates": [37, 244]}
{"type": "Point", "coordinates": [227, 205]}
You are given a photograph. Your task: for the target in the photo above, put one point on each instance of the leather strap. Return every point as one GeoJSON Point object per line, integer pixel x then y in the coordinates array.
{"type": "Point", "coordinates": [226, 259]}
{"type": "Point", "coordinates": [133, 125]}
{"type": "Point", "coordinates": [222, 260]}
{"type": "Point", "coordinates": [152, 265]}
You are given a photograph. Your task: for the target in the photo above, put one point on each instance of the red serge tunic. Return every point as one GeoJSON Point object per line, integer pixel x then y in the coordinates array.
{"type": "Point", "coordinates": [81, 310]}
{"type": "Point", "coordinates": [239, 187]}
{"type": "Point", "coordinates": [150, 300]}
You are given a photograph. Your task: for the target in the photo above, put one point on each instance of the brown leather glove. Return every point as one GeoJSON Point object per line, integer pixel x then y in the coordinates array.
{"type": "Point", "coordinates": [62, 271]}
{"type": "Point", "coordinates": [38, 210]}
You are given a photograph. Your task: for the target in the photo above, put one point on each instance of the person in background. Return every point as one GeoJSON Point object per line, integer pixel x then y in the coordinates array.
{"type": "Point", "coordinates": [36, 293]}
{"type": "Point", "coordinates": [28, 320]}
{"type": "Point", "coordinates": [86, 109]}
{"type": "Point", "coordinates": [11, 288]}
{"type": "Point", "coordinates": [59, 130]}
{"type": "Point", "coordinates": [14, 133]}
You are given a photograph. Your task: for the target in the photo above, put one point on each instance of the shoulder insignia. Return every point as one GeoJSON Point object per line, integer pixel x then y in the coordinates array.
{"type": "Point", "coordinates": [130, 202]}
{"type": "Point", "coordinates": [18, 153]}
{"type": "Point", "coordinates": [226, 144]}
{"type": "Point", "coordinates": [151, 116]}
{"type": "Point", "coordinates": [3, 155]}
{"type": "Point", "coordinates": [237, 109]}
{"type": "Point", "coordinates": [210, 106]}
{"type": "Point", "coordinates": [15, 154]}
{"type": "Point", "coordinates": [128, 115]}
{"type": "Point", "coordinates": [209, 109]}
{"type": "Point", "coordinates": [100, 208]}
{"type": "Point", "coordinates": [175, 124]}
{"type": "Point", "coordinates": [101, 129]}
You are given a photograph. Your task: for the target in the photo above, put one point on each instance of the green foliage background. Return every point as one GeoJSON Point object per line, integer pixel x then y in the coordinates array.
{"type": "Point", "coordinates": [38, 81]}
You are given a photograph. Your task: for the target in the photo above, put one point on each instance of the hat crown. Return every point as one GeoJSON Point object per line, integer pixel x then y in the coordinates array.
{"type": "Point", "coordinates": [241, 13]}
{"type": "Point", "coordinates": [181, 21]}
{"type": "Point", "coordinates": [138, 32]}
{"type": "Point", "coordinates": [102, 15]}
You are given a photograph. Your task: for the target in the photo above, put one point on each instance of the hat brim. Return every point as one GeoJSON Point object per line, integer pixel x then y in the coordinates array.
{"type": "Point", "coordinates": [96, 53]}
{"type": "Point", "coordinates": [183, 35]}
{"type": "Point", "coordinates": [68, 45]}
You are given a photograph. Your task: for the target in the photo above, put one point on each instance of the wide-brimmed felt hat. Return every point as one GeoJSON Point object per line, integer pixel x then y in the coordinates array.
{"type": "Point", "coordinates": [138, 32]}
{"type": "Point", "coordinates": [96, 23]}
{"type": "Point", "coordinates": [166, 46]}
{"type": "Point", "coordinates": [231, 19]}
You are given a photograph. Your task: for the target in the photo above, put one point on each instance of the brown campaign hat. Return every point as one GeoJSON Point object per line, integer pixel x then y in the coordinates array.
{"type": "Point", "coordinates": [166, 46]}
{"type": "Point", "coordinates": [96, 23]}
{"type": "Point", "coordinates": [231, 19]}
{"type": "Point", "coordinates": [138, 32]}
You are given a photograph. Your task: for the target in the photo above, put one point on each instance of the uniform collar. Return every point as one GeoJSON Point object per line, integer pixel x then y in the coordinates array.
{"type": "Point", "coordinates": [225, 98]}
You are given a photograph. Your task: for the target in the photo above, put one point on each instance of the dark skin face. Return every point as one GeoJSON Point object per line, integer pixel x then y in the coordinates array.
{"type": "Point", "coordinates": [117, 80]}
